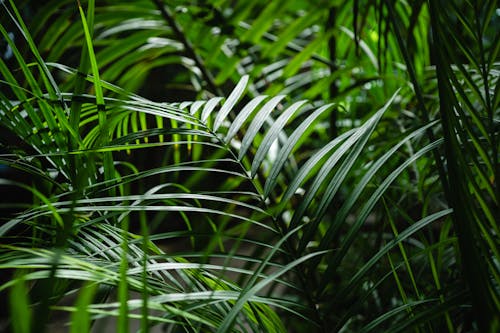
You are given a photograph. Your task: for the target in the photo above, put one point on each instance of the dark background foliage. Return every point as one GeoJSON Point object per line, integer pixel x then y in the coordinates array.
{"type": "Point", "coordinates": [250, 166]}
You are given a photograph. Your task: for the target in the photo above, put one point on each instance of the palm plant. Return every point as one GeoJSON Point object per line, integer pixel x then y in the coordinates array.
{"type": "Point", "coordinates": [469, 112]}
{"type": "Point", "coordinates": [262, 212]}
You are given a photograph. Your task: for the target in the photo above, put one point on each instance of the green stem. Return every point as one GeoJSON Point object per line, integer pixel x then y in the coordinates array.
{"type": "Point", "coordinates": [167, 15]}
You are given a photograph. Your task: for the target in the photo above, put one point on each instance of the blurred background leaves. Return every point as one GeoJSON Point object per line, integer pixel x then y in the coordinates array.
{"type": "Point", "coordinates": [251, 166]}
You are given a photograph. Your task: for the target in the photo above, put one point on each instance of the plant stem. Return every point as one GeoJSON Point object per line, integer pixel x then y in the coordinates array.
{"type": "Point", "coordinates": [333, 89]}
{"type": "Point", "coordinates": [167, 15]}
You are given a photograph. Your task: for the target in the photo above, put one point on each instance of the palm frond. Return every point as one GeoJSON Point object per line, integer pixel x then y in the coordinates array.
{"type": "Point", "coordinates": [261, 211]}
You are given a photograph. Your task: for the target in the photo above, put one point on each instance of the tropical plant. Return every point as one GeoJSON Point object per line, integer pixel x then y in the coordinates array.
{"type": "Point", "coordinates": [150, 199]}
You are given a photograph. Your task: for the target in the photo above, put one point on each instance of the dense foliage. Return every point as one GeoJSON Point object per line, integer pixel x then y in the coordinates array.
{"type": "Point", "coordinates": [250, 166]}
